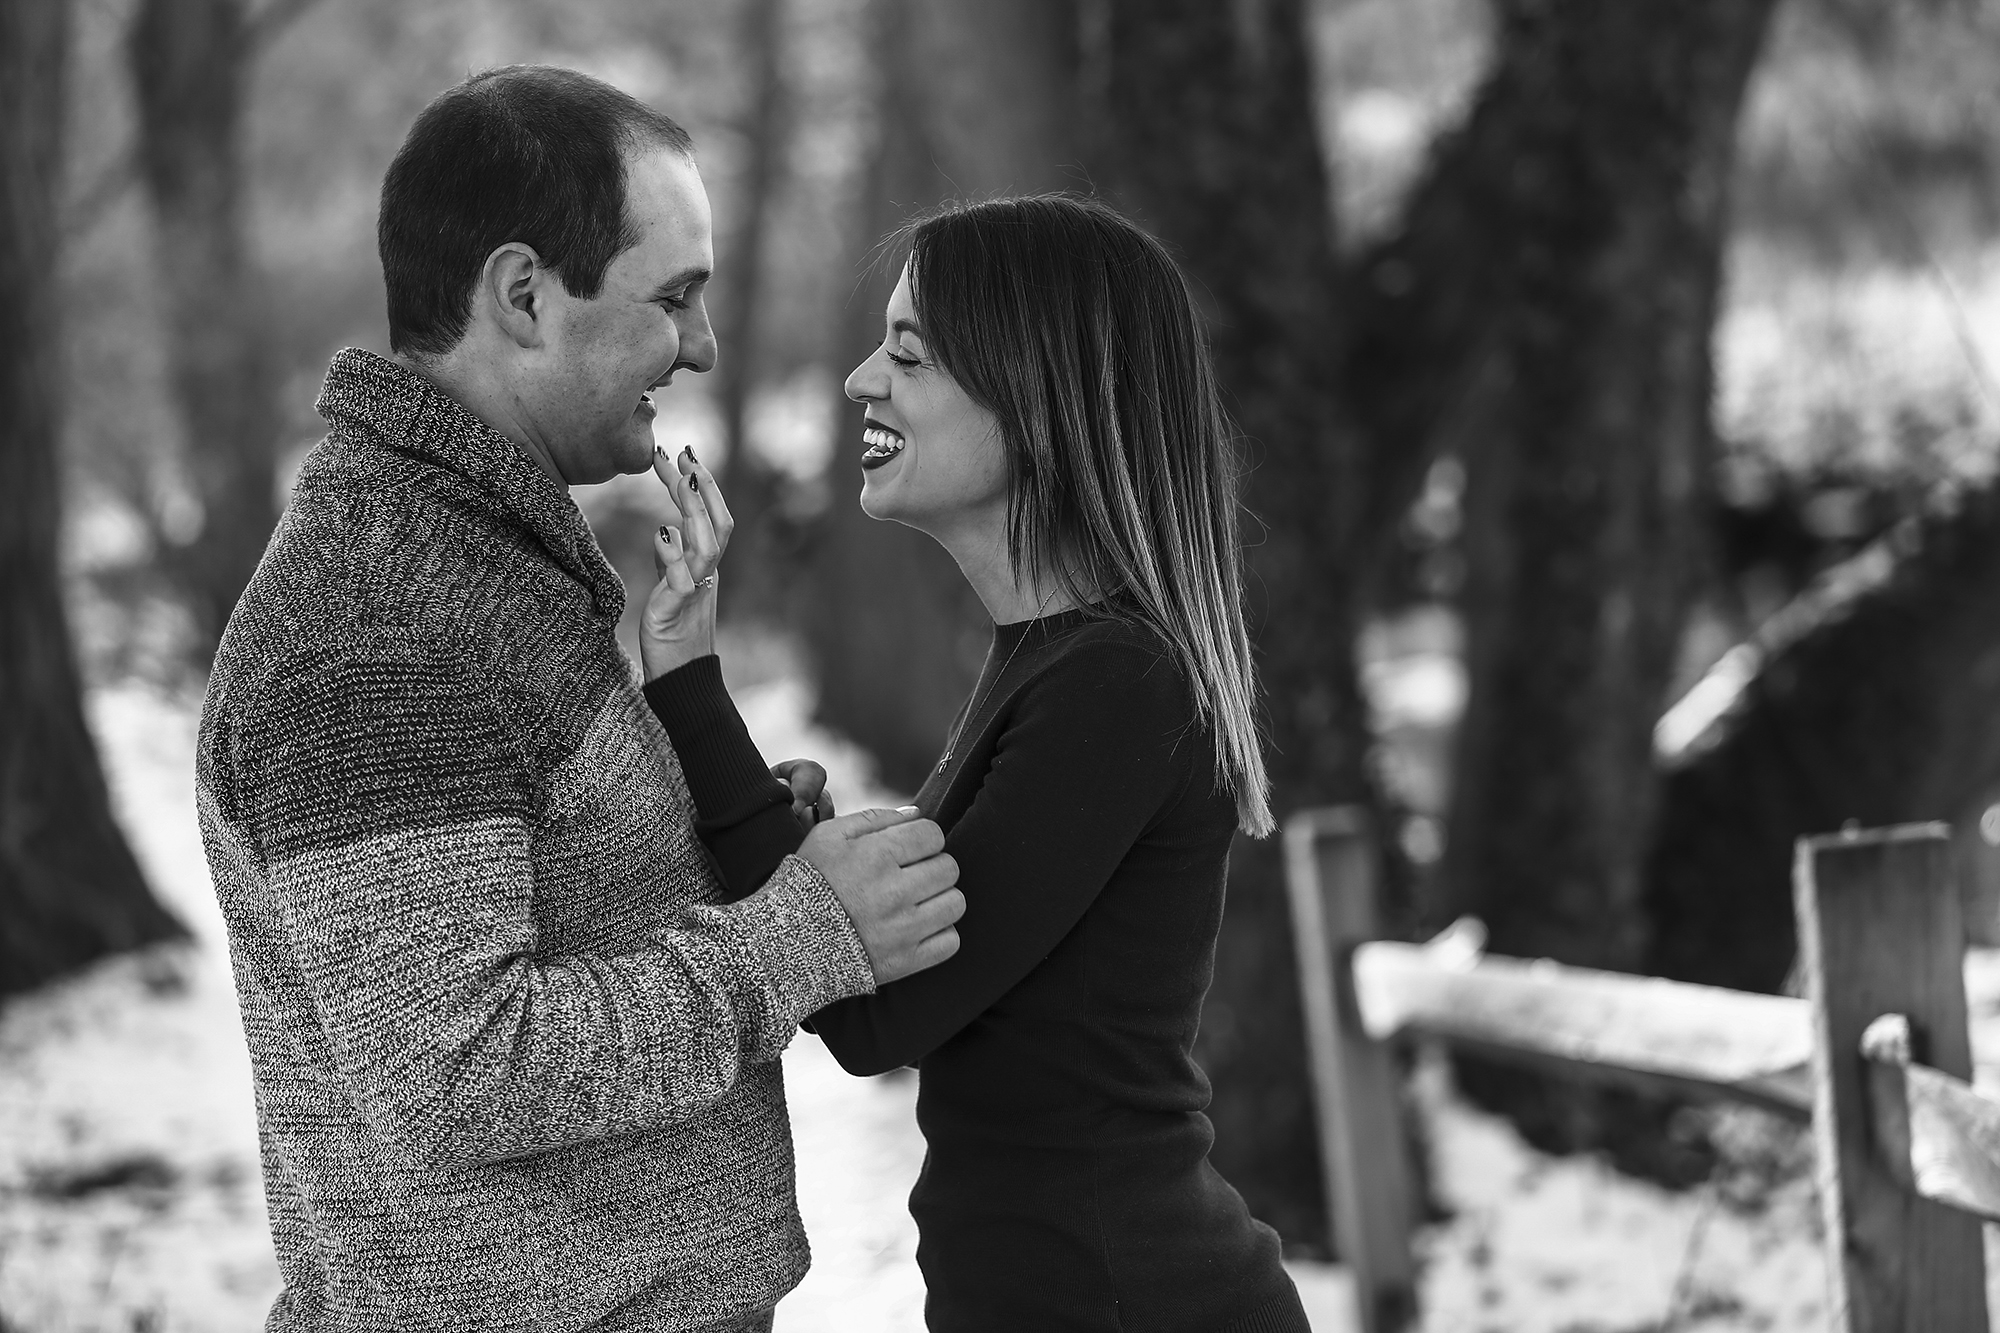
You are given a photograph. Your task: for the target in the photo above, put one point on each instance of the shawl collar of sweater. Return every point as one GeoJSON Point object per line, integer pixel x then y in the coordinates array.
{"type": "Point", "coordinates": [402, 410]}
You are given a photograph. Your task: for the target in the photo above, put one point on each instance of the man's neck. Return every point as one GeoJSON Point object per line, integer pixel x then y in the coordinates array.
{"type": "Point", "coordinates": [486, 400]}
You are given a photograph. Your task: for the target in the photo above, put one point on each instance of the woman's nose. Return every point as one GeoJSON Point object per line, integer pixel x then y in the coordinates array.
{"type": "Point", "coordinates": [864, 382]}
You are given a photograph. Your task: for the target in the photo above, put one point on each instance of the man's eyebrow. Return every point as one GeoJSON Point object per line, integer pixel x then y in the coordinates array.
{"type": "Point", "coordinates": [687, 277]}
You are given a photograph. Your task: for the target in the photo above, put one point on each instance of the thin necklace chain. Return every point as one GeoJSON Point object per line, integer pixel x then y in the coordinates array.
{"type": "Point", "coordinates": [958, 732]}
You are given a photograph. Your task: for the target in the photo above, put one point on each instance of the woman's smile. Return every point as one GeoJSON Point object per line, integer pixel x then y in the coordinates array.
{"type": "Point", "coordinates": [883, 444]}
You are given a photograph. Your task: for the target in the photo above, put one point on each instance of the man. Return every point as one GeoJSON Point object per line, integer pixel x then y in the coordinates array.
{"type": "Point", "coordinates": [516, 1059]}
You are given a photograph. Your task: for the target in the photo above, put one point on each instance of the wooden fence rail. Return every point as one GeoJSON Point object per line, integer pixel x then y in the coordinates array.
{"type": "Point", "coordinates": [1876, 1055]}
{"type": "Point", "coordinates": [1600, 1025]}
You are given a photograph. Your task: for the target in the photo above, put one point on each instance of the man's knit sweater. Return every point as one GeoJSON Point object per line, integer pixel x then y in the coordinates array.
{"type": "Point", "coordinates": [516, 1060]}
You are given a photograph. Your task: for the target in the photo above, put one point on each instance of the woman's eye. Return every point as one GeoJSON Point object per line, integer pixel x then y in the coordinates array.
{"type": "Point", "coordinates": [905, 360]}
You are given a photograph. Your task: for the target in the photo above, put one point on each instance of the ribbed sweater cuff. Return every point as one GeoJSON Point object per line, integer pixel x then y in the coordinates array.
{"type": "Point", "coordinates": [805, 942]}
{"type": "Point", "coordinates": [1280, 1312]}
{"type": "Point", "coordinates": [725, 773]}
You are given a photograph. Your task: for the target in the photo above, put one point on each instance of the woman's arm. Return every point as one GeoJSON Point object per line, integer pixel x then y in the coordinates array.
{"type": "Point", "coordinates": [1092, 754]}
{"type": "Point", "coordinates": [744, 813]}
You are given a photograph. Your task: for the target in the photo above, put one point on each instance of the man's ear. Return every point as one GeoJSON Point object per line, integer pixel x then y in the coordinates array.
{"type": "Point", "coordinates": [513, 289]}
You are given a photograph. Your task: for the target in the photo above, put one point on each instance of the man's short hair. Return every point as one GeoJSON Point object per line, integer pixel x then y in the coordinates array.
{"type": "Point", "coordinates": [527, 153]}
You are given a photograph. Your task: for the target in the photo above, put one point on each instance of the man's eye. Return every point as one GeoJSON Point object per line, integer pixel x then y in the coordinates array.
{"type": "Point", "coordinates": [674, 302]}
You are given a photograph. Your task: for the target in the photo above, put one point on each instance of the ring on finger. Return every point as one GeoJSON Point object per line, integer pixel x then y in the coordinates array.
{"type": "Point", "coordinates": [705, 581]}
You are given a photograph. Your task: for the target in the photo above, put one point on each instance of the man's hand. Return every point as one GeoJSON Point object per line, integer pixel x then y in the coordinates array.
{"type": "Point", "coordinates": [810, 803]}
{"type": "Point", "coordinates": [889, 870]}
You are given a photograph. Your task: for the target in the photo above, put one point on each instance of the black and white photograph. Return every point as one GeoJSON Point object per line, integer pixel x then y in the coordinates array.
{"type": "Point", "coordinates": [999, 666]}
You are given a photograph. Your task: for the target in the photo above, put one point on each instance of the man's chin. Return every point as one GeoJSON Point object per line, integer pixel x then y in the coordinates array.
{"type": "Point", "coordinates": [634, 452]}
{"type": "Point", "coordinates": [624, 455]}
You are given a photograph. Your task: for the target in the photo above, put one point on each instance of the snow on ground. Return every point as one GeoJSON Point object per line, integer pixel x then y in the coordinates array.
{"type": "Point", "coordinates": [1540, 1244]}
{"type": "Point", "coordinates": [130, 1196]}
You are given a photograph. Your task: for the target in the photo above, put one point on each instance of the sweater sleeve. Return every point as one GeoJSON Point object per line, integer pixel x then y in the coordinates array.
{"type": "Point", "coordinates": [1094, 750]}
{"type": "Point", "coordinates": [391, 810]}
{"type": "Point", "coordinates": [745, 814]}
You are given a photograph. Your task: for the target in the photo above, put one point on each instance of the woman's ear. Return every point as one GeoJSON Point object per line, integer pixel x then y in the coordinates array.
{"type": "Point", "coordinates": [511, 293]}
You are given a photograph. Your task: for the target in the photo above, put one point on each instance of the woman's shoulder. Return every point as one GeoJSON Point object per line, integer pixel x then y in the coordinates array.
{"type": "Point", "coordinates": [1116, 687]}
{"type": "Point", "coordinates": [1120, 663]}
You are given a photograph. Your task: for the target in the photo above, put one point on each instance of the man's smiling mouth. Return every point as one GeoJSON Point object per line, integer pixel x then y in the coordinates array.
{"type": "Point", "coordinates": [883, 445]}
{"type": "Point", "coordinates": [646, 399]}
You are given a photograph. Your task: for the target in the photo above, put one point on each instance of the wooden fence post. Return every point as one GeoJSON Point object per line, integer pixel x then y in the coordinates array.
{"type": "Point", "coordinates": [1330, 871]}
{"type": "Point", "coordinates": [1880, 933]}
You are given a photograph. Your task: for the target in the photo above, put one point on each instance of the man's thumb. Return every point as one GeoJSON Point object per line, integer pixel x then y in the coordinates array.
{"type": "Point", "coordinates": [863, 822]}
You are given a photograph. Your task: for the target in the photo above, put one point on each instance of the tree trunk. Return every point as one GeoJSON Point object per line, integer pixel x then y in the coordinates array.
{"type": "Point", "coordinates": [189, 61]}
{"type": "Point", "coordinates": [751, 486]}
{"type": "Point", "coordinates": [1598, 157]}
{"type": "Point", "coordinates": [70, 891]}
{"type": "Point", "coordinates": [1596, 161]}
{"type": "Point", "coordinates": [1208, 139]}
{"type": "Point", "coordinates": [975, 95]}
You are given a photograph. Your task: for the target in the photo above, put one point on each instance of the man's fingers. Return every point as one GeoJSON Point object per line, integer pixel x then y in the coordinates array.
{"type": "Point", "coordinates": [926, 952]}
{"type": "Point", "coordinates": [932, 875]}
{"type": "Point", "coordinates": [940, 911]}
{"type": "Point", "coordinates": [934, 950]}
{"type": "Point", "coordinates": [915, 841]}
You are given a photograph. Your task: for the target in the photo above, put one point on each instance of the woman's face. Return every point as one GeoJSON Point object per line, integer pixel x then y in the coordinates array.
{"type": "Point", "coordinates": [934, 458]}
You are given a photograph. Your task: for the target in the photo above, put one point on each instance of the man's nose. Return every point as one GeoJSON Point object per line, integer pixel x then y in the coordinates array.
{"type": "Point", "coordinates": [698, 342]}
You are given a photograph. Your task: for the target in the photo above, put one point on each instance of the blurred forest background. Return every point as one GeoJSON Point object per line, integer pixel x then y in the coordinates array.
{"type": "Point", "coordinates": [1617, 383]}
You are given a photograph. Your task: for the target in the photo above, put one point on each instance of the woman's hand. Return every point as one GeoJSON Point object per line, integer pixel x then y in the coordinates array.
{"type": "Point", "coordinates": [810, 803]}
{"type": "Point", "coordinates": [678, 624]}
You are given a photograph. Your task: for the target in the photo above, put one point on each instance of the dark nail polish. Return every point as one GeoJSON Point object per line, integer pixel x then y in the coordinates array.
{"type": "Point", "coordinates": [666, 534]}
{"type": "Point", "coordinates": [689, 451]}
{"type": "Point", "coordinates": [694, 481]}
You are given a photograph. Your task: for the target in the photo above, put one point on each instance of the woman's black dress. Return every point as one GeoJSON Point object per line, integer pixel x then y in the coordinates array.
{"type": "Point", "coordinates": [1067, 1183]}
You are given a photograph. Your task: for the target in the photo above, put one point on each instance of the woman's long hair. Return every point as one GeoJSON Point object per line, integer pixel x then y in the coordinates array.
{"type": "Point", "coordinates": [1077, 331]}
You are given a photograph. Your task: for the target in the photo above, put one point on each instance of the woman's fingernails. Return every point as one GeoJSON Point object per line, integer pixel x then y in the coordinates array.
{"type": "Point", "coordinates": [689, 451]}
{"type": "Point", "coordinates": [694, 481]}
{"type": "Point", "coordinates": [666, 534]}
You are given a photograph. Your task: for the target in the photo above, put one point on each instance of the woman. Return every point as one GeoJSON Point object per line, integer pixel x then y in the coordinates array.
{"type": "Point", "coordinates": [1042, 404]}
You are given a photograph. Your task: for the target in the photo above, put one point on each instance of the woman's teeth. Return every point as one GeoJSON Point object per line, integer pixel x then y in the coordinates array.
{"type": "Point", "coordinates": [883, 445]}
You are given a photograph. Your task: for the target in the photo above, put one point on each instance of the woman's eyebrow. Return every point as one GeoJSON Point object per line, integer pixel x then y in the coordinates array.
{"type": "Point", "coordinates": [906, 326]}
{"type": "Point", "coordinates": [687, 277]}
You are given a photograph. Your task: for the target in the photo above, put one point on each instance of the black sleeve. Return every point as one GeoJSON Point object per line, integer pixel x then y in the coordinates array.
{"type": "Point", "coordinates": [1093, 752]}
{"type": "Point", "coordinates": [744, 815]}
